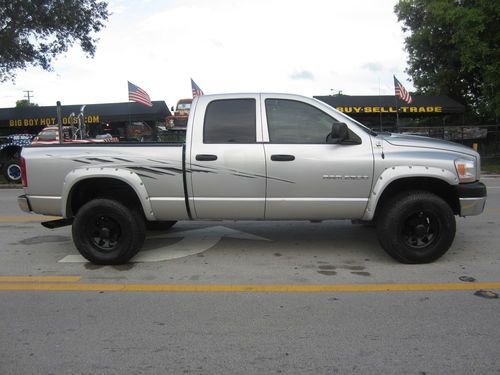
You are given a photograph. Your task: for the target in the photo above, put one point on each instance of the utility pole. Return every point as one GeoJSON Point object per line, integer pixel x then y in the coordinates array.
{"type": "Point", "coordinates": [28, 95]}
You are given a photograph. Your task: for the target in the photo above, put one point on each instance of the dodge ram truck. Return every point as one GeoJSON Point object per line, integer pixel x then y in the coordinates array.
{"type": "Point", "coordinates": [257, 157]}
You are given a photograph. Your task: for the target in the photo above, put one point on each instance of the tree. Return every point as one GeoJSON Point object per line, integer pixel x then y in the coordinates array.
{"type": "Point", "coordinates": [23, 103]}
{"type": "Point", "coordinates": [34, 32]}
{"type": "Point", "coordinates": [453, 48]}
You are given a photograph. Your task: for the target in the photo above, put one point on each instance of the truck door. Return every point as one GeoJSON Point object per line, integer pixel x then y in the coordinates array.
{"type": "Point", "coordinates": [308, 177]}
{"type": "Point", "coordinates": [227, 164]}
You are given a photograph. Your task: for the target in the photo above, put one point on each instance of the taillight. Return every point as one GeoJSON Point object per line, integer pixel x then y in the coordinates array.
{"type": "Point", "coordinates": [24, 177]}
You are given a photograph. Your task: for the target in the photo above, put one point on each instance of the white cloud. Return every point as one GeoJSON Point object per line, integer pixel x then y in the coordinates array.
{"type": "Point", "coordinates": [228, 46]}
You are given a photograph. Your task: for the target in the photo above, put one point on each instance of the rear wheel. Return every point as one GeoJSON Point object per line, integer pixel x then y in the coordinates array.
{"type": "Point", "coordinates": [107, 232]}
{"type": "Point", "coordinates": [11, 170]}
{"type": "Point", "coordinates": [416, 227]}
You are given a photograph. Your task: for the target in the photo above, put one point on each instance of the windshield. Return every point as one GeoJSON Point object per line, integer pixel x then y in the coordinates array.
{"type": "Point", "coordinates": [184, 106]}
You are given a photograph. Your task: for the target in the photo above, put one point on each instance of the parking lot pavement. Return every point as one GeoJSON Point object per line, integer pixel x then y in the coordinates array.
{"type": "Point", "coordinates": [247, 297]}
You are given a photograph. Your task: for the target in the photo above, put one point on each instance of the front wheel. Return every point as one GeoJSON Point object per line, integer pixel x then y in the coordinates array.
{"type": "Point", "coordinates": [11, 170]}
{"type": "Point", "coordinates": [107, 232]}
{"type": "Point", "coordinates": [416, 227]}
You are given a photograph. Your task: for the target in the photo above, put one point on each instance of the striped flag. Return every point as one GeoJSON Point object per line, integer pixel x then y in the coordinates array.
{"type": "Point", "coordinates": [136, 94]}
{"type": "Point", "coordinates": [196, 90]}
{"type": "Point", "coordinates": [401, 92]}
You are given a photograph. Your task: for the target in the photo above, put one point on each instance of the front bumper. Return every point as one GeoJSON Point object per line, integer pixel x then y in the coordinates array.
{"type": "Point", "coordinates": [24, 203]}
{"type": "Point", "coordinates": [472, 198]}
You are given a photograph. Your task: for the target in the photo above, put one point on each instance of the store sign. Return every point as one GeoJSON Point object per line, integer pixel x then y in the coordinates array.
{"type": "Point", "coordinates": [48, 121]}
{"type": "Point", "coordinates": [402, 109]}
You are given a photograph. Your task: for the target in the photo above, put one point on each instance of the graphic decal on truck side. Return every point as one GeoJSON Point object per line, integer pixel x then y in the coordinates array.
{"type": "Point", "coordinates": [173, 170]}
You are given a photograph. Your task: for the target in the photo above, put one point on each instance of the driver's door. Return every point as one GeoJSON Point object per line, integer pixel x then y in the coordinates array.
{"type": "Point", "coordinates": [308, 178]}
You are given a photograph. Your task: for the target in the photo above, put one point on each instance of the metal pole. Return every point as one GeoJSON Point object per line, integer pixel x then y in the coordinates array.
{"type": "Point", "coordinates": [397, 113]}
{"type": "Point", "coordinates": [59, 122]}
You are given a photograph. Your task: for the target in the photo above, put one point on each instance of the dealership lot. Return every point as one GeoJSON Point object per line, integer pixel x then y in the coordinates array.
{"type": "Point", "coordinates": [249, 297]}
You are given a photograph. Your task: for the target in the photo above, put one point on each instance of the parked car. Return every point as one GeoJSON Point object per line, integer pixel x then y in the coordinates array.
{"type": "Point", "coordinates": [258, 157]}
{"type": "Point", "coordinates": [50, 135]}
{"type": "Point", "coordinates": [10, 151]}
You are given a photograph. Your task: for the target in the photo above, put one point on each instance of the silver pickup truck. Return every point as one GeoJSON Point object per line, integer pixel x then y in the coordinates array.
{"type": "Point", "coordinates": [257, 157]}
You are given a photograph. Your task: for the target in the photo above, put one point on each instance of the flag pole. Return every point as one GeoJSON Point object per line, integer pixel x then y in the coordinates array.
{"type": "Point", "coordinates": [379, 103]}
{"type": "Point", "coordinates": [397, 104]}
{"type": "Point", "coordinates": [397, 113]}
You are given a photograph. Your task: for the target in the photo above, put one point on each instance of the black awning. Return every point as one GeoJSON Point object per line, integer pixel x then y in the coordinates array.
{"type": "Point", "coordinates": [422, 104]}
{"type": "Point", "coordinates": [94, 113]}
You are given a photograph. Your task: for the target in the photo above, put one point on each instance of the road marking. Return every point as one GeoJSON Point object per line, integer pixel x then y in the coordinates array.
{"type": "Point", "coordinates": [250, 288]}
{"type": "Point", "coordinates": [193, 242]}
{"type": "Point", "coordinates": [27, 218]}
{"type": "Point", "coordinates": [40, 279]}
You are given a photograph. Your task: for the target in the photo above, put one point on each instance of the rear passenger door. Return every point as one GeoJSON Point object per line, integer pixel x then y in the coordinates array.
{"type": "Point", "coordinates": [227, 164]}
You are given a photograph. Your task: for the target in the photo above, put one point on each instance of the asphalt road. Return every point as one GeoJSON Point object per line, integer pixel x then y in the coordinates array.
{"type": "Point", "coordinates": [248, 298]}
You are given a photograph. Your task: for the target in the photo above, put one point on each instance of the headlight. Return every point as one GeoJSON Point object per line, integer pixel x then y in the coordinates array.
{"type": "Point", "coordinates": [466, 170]}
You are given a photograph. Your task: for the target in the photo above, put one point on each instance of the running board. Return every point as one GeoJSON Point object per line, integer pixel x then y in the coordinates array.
{"type": "Point", "coordinates": [52, 224]}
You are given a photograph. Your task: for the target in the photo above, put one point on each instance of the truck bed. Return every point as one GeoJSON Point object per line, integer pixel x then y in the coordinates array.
{"type": "Point", "coordinates": [159, 167]}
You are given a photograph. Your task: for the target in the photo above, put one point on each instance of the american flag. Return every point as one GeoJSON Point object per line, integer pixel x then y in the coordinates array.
{"type": "Point", "coordinates": [136, 94]}
{"type": "Point", "coordinates": [401, 92]}
{"type": "Point", "coordinates": [196, 90]}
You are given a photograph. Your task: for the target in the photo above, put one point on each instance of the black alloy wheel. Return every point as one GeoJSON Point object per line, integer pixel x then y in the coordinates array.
{"type": "Point", "coordinates": [420, 229]}
{"type": "Point", "coordinates": [416, 227]}
{"type": "Point", "coordinates": [106, 231]}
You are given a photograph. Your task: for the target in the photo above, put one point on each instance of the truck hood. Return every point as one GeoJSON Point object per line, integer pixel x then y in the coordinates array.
{"type": "Point", "coordinates": [405, 140]}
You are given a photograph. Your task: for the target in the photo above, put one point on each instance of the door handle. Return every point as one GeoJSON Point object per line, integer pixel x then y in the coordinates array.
{"type": "Point", "coordinates": [282, 157]}
{"type": "Point", "coordinates": [206, 157]}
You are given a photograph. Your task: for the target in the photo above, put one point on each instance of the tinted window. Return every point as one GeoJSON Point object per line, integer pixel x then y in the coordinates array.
{"type": "Point", "coordinates": [230, 121]}
{"type": "Point", "coordinates": [290, 121]}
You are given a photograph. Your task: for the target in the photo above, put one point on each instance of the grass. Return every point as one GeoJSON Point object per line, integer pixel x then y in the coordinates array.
{"type": "Point", "coordinates": [490, 165]}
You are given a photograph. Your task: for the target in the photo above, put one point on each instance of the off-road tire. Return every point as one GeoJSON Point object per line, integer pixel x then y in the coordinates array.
{"type": "Point", "coordinates": [107, 232]}
{"type": "Point", "coordinates": [11, 170]}
{"type": "Point", "coordinates": [159, 225]}
{"type": "Point", "coordinates": [416, 227]}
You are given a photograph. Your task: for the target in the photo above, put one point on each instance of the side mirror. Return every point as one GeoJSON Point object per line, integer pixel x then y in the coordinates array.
{"type": "Point", "coordinates": [338, 134]}
{"type": "Point", "coordinates": [172, 109]}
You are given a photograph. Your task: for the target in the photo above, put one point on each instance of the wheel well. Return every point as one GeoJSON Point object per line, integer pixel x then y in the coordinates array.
{"type": "Point", "coordinates": [433, 185]}
{"type": "Point", "coordinates": [9, 152]}
{"type": "Point", "coordinates": [101, 187]}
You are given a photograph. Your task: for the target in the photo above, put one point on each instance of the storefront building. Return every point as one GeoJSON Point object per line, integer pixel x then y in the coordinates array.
{"type": "Point", "coordinates": [127, 121]}
{"type": "Point", "coordinates": [387, 113]}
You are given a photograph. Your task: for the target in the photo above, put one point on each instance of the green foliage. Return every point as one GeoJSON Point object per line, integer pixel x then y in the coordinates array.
{"type": "Point", "coordinates": [34, 32]}
{"type": "Point", "coordinates": [491, 165]}
{"type": "Point", "coordinates": [23, 103]}
{"type": "Point", "coordinates": [453, 48]}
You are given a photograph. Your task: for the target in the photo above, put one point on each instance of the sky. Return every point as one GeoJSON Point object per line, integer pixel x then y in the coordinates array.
{"type": "Point", "coordinates": [313, 47]}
